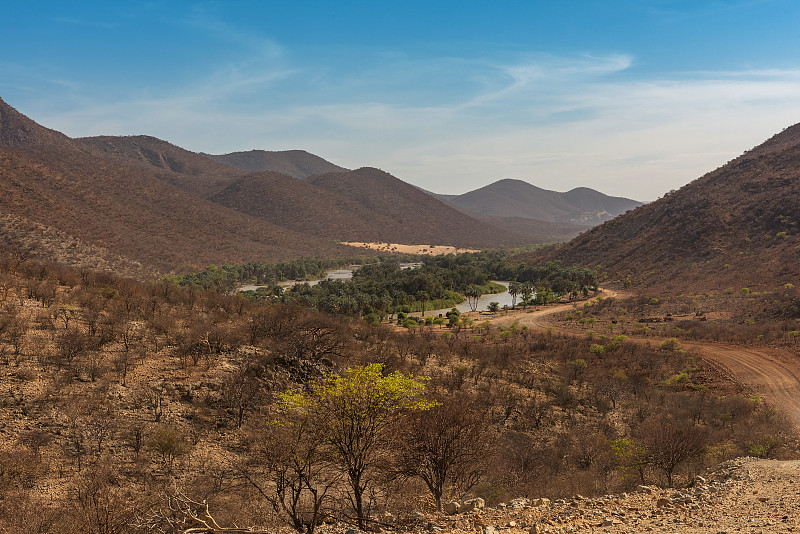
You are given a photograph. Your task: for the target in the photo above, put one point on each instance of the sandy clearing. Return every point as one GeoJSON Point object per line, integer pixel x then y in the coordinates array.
{"type": "Point", "coordinates": [431, 250]}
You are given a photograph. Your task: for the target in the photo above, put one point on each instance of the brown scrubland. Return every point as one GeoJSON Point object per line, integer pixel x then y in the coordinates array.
{"type": "Point", "coordinates": [131, 407]}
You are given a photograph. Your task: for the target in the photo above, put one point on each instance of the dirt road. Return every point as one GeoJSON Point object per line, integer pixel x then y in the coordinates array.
{"type": "Point", "coordinates": [768, 372]}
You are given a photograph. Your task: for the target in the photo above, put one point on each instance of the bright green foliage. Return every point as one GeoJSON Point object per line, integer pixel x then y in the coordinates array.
{"type": "Point", "coordinates": [676, 380]}
{"type": "Point", "coordinates": [354, 414]}
{"type": "Point", "coordinates": [630, 456]}
{"type": "Point", "coordinates": [453, 317]}
{"type": "Point", "coordinates": [763, 447]}
{"type": "Point", "coordinates": [410, 323]}
{"type": "Point", "coordinates": [670, 344]}
{"type": "Point", "coordinates": [597, 349]}
{"type": "Point", "coordinates": [578, 367]}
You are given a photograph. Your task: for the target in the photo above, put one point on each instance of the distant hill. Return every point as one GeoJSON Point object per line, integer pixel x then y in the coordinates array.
{"type": "Point", "coordinates": [417, 214]}
{"type": "Point", "coordinates": [125, 208]}
{"type": "Point", "coordinates": [297, 163]}
{"type": "Point", "coordinates": [140, 205]}
{"type": "Point", "coordinates": [516, 198]}
{"type": "Point", "coordinates": [735, 227]}
{"type": "Point", "coordinates": [306, 208]}
{"type": "Point", "coordinates": [185, 169]}
{"type": "Point", "coordinates": [536, 231]}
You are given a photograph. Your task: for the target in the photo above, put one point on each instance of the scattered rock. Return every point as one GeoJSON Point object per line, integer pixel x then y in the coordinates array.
{"type": "Point", "coordinates": [451, 508]}
{"type": "Point", "coordinates": [663, 501]}
{"type": "Point", "coordinates": [471, 504]}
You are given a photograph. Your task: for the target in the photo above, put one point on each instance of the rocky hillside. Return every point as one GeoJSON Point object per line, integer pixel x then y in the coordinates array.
{"type": "Point", "coordinates": [745, 494]}
{"type": "Point", "coordinates": [139, 200]}
{"type": "Point", "coordinates": [738, 226]}
{"type": "Point", "coordinates": [171, 163]}
{"type": "Point", "coordinates": [127, 207]}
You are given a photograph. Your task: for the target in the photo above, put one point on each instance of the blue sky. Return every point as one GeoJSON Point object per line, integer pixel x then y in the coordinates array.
{"type": "Point", "coordinates": [632, 98]}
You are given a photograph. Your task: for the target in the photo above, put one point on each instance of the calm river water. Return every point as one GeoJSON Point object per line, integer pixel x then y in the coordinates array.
{"type": "Point", "coordinates": [504, 299]}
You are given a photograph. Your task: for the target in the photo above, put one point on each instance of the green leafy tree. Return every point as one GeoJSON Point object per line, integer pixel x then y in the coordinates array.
{"type": "Point", "coordinates": [354, 414]}
{"type": "Point", "coordinates": [526, 290]}
{"type": "Point", "coordinates": [630, 455]}
{"type": "Point", "coordinates": [453, 317]}
{"type": "Point", "coordinates": [514, 289]}
{"type": "Point", "coordinates": [472, 293]}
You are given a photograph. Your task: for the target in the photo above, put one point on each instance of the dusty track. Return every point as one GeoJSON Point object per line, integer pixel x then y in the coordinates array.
{"type": "Point", "coordinates": [769, 372]}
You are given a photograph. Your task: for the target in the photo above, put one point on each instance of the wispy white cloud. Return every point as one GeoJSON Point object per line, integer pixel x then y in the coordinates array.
{"type": "Point", "coordinates": [556, 122]}
{"type": "Point", "coordinates": [85, 23]}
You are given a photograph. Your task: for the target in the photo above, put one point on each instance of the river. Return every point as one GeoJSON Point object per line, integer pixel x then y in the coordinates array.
{"type": "Point", "coordinates": [503, 299]}
{"type": "Point", "coordinates": [333, 274]}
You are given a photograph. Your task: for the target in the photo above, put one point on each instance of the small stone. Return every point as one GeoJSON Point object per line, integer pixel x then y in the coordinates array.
{"type": "Point", "coordinates": [451, 508]}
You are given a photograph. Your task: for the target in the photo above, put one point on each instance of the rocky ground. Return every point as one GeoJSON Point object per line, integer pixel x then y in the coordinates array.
{"type": "Point", "coordinates": [742, 495]}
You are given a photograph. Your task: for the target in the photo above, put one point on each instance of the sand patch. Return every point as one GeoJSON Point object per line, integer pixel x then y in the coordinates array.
{"type": "Point", "coordinates": [431, 250]}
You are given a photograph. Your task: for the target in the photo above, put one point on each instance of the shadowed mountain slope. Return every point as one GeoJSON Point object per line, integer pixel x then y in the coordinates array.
{"type": "Point", "coordinates": [297, 163]}
{"type": "Point", "coordinates": [18, 131]}
{"type": "Point", "coordinates": [138, 200]}
{"type": "Point", "coordinates": [185, 169]}
{"type": "Point", "coordinates": [126, 208]}
{"type": "Point", "coordinates": [515, 198]}
{"type": "Point", "coordinates": [306, 208]}
{"type": "Point", "coordinates": [536, 231]}
{"type": "Point", "coordinates": [421, 216]}
{"type": "Point", "coordinates": [738, 226]}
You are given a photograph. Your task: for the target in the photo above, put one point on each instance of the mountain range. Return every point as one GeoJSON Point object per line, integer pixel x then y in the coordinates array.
{"type": "Point", "coordinates": [142, 205]}
{"type": "Point", "coordinates": [516, 198]}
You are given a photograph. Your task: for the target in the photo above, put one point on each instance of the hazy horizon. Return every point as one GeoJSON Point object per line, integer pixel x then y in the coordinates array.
{"type": "Point", "coordinates": [629, 98]}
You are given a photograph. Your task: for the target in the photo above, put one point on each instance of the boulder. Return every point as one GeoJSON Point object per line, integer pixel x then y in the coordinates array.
{"type": "Point", "coordinates": [451, 508]}
{"type": "Point", "coordinates": [471, 504]}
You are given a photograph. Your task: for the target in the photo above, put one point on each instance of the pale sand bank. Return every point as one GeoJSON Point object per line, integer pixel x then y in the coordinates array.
{"type": "Point", "coordinates": [432, 250]}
